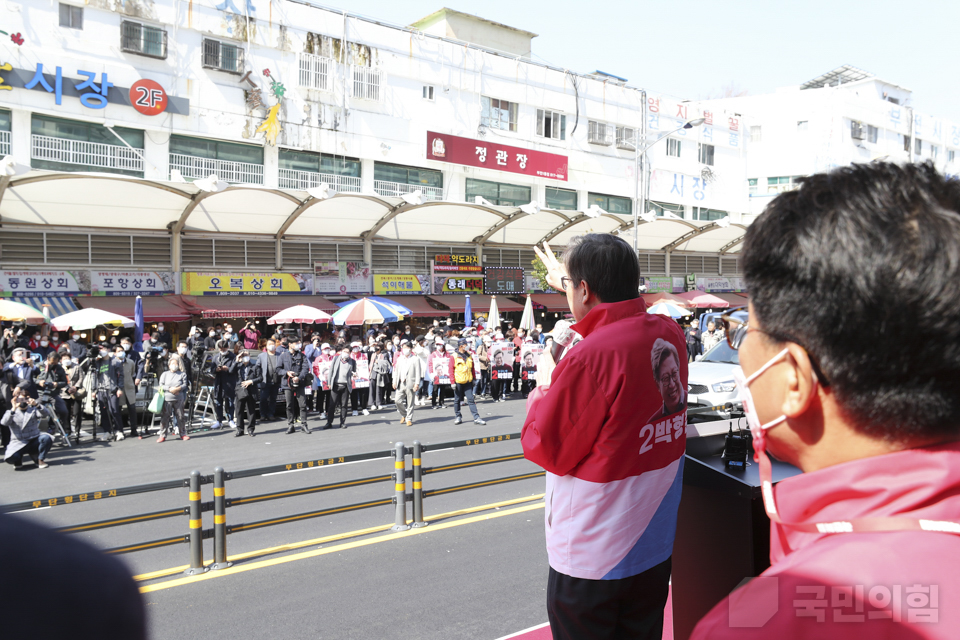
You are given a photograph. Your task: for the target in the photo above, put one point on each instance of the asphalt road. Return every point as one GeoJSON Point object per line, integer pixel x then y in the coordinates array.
{"type": "Point", "coordinates": [474, 574]}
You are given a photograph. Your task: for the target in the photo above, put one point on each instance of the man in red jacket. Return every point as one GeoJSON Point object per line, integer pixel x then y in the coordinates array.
{"type": "Point", "coordinates": [865, 543]}
{"type": "Point", "coordinates": [613, 477]}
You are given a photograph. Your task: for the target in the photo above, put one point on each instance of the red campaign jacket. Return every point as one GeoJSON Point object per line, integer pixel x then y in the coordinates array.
{"type": "Point", "coordinates": [876, 585]}
{"type": "Point", "coordinates": [613, 477]}
{"type": "Point", "coordinates": [518, 343]}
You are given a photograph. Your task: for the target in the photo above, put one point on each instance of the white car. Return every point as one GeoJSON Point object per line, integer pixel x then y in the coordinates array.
{"type": "Point", "coordinates": [710, 383]}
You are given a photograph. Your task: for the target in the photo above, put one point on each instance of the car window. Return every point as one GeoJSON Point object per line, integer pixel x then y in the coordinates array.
{"type": "Point", "coordinates": [721, 352]}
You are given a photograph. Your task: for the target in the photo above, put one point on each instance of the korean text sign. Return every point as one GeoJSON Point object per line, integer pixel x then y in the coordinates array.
{"type": "Point", "coordinates": [396, 283]}
{"type": "Point", "coordinates": [245, 284]}
{"type": "Point", "coordinates": [495, 155]}
{"type": "Point", "coordinates": [27, 284]}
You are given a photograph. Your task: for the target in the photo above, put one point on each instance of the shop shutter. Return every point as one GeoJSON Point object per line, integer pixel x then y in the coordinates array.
{"type": "Point", "coordinates": [295, 256]}
{"type": "Point", "coordinates": [261, 254]}
{"type": "Point", "coordinates": [730, 265]}
{"type": "Point", "coordinates": [197, 252]}
{"type": "Point", "coordinates": [229, 253]}
{"type": "Point", "coordinates": [110, 249]}
{"type": "Point", "coordinates": [68, 248]}
{"type": "Point", "coordinates": [20, 248]}
{"type": "Point", "coordinates": [711, 265]}
{"type": "Point", "coordinates": [658, 263]}
{"type": "Point", "coordinates": [151, 251]}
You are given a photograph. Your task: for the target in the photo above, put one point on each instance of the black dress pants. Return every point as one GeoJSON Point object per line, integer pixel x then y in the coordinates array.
{"type": "Point", "coordinates": [608, 609]}
{"type": "Point", "coordinates": [339, 397]}
{"type": "Point", "coordinates": [296, 406]}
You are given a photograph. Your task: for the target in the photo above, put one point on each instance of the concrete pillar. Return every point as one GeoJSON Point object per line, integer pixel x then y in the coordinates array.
{"type": "Point", "coordinates": [20, 135]}
{"type": "Point", "coordinates": [271, 167]}
{"type": "Point", "coordinates": [366, 176]}
{"type": "Point", "coordinates": [156, 156]}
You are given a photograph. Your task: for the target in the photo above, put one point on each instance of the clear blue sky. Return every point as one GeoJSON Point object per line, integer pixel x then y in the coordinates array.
{"type": "Point", "coordinates": [695, 48]}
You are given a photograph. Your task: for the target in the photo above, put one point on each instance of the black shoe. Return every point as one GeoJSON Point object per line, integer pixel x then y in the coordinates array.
{"type": "Point", "coordinates": [250, 433]}
{"type": "Point", "coordinates": [290, 429]}
{"type": "Point", "coordinates": [329, 426]}
{"type": "Point", "coordinates": [238, 434]}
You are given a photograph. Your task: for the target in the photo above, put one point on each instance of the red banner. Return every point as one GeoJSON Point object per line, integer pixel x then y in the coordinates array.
{"type": "Point", "coordinates": [494, 155]}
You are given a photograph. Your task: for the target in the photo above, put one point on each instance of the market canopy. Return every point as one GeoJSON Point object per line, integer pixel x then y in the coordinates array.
{"type": "Point", "coordinates": [155, 308]}
{"type": "Point", "coordinates": [703, 300]}
{"type": "Point", "coordinates": [106, 201]}
{"type": "Point", "coordinates": [252, 306]}
{"type": "Point", "coordinates": [479, 303]}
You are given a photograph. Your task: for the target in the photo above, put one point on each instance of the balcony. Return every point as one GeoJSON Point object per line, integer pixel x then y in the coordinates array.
{"type": "Point", "coordinates": [4, 143]}
{"type": "Point", "coordinates": [194, 168]}
{"type": "Point", "coordinates": [397, 189]}
{"type": "Point", "coordinates": [293, 179]}
{"type": "Point", "coordinates": [93, 155]}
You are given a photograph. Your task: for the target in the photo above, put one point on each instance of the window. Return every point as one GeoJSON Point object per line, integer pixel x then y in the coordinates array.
{"type": "Point", "coordinates": [316, 72]}
{"type": "Point", "coordinates": [599, 133]}
{"type": "Point", "coordinates": [906, 143]}
{"type": "Point", "coordinates": [871, 134]}
{"type": "Point", "coordinates": [917, 146]}
{"type": "Point", "coordinates": [428, 92]}
{"type": "Point", "coordinates": [498, 114]}
{"type": "Point", "coordinates": [706, 154]}
{"type": "Point", "coordinates": [802, 125]}
{"type": "Point", "coordinates": [70, 145]}
{"type": "Point", "coordinates": [216, 150]}
{"type": "Point", "coordinates": [71, 16]}
{"type": "Point", "coordinates": [626, 138]}
{"type": "Point", "coordinates": [951, 155]}
{"type": "Point", "coordinates": [367, 83]}
{"type": "Point", "coordinates": [319, 163]}
{"type": "Point", "coordinates": [222, 56]}
{"type": "Point", "coordinates": [551, 124]}
{"type": "Point", "coordinates": [673, 148]}
{"type": "Point", "coordinates": [505, 195]}
{"type": "Point", "coordinates": [610, 204]}
{"type": "Point", "coordinates": [782, 183]}
{"type": "Point", "coordinates": [143, 39]}
{"type": "Point", "coordinates": [665, 207]}
{"type": "Point", "coordinates": [407, 175]}
{"type": "Point", "coordinates": [561, 199]}
{"type": "Point", "coordinates": [700, 213]}
{"type": "Point", "coordinates": [755, 133]}
{"type": "Point", "coordinates": [752, 185]}
{"type": "Point", "coordinates": [857, 132]}
{"type": "Point", "coordinates": [933, 151]}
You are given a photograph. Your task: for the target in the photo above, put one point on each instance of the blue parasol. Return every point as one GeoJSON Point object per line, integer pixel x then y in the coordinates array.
{"type": "Point", "coordinates": [138, 330]}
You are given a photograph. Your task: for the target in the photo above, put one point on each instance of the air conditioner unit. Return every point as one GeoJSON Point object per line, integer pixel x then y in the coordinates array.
{"type": "Point", "coordinates": [857, 131]}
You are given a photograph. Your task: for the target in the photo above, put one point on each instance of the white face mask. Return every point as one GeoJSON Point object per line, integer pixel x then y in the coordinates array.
{"type": "Point", "coordinates": [271, 348]}
{"type": "Point", "coordinates": [181, 350]}
{"type": "Point", "coordinates": [160, 327]}
{"type": "Point", "coordinates": [406, 351]}
{"type": "Point", "coordinates": [246, 358]}
{"type": "Point", "coordinates": [126, 346]}
{"type": "Point", "coordinates": [295, 347]}
{"type": "Point", "coordinates": [120, 356]}
{"type": "Point", "coordinates": [75, 336]}
{"type": "Point", "coordinates": [55, 338]}
{"type": "Point", "coordinates": [66, 362]}
{"type": "Point", "coordinates": [213, 334]}
{"type": "Point", "coordinates": [44, 343]}
{"type": "Point", "coordinates": [174, 366]}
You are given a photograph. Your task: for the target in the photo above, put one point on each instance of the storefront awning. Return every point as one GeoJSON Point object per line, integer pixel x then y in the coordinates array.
{"type": "Point", "coordinates": [419, 306]}
{"type": "Point", "coordinates": [155, 308]}
{"type": "Point", "coordinates": [653, 298]}
{"type": "Point", "coordinates": [735, 299]}
{"type": "Point", "coordinates": [58, 305]}
{"type": "Point", "coordinates": [253, 306]}
{"type": "Point", "coordinates": [548, 301]}
{"type": "Point", "coordinates": [478, 303]}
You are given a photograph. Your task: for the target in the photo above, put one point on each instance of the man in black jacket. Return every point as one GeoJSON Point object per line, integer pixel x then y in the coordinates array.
{"type": "Point", "coordinates": [339, 378]}
{"type": "Point", "coordinates": [248, 379]}
{"type": "Point", "coordinates": [224, 369]}
{"type": "Point", "coordinates": [294, 371]}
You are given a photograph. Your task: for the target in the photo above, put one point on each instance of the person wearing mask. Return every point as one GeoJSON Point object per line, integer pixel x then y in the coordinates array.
{"type": "Point", "coordinates": [283, 345]}
{"type": "Point", "coordinates": [692, 334]}
{"type": "Point", "coordinates": [294, 371]}
{"type": "Point", "coordinates": [173, 385]}
{"type": "Point", "coordinates": [194, 338]}
{"type": "Point", "coordinates": [109, 373]}
{"type": "Point", "coordinates": [52, 381]}
{"type": "Point", "coordinates": [517, 340]}
{"type": "Point", "coordinates": [224, 365]}
{"type": "Point", "coordinates": [248, 381]}
{"type": "Point", "coordinates": [382, 378]}
{"type": "Point", "coordinates": [711, 337]}
{"type": "Point", "coordinates": [463, 381]}
{"type": "Point", "coordinates": [210, 342]}
{"type": "Point", "coordinates": [74, 392]}
{"type": "Point", "coordinates": [269, 381]}
{"type": "Point", "coordinates": [340, 378]}
{"type": "Point", "coordinates": [407, 378]}
{"type": "Point", "coordinates": [163, 336]}
{"type": "Point", "coordinates": [186, 362]}
{"type": "Point", "coordinates": [436, 389]}
{"type": "Point", "coordinates": [320, 388]}
{"type": "Point", "coordinates": [422, 351]}
{"type": "Point", "coordinates": [540, 337]}
{"type": "Point", "coordinates": [78, 349]}
{"type": "Point", "coordinates": [249, 336]}
{"type": "Point", "coordinates": [23, 372]}
{"type": "Point", "coordinates": [43, 346]}
{"type": "Point", "coordinates": [23, 421]}
{"type": "Point", "coordinates": [361, 396]}
{"type": "Point", "coordinates": [312, 350]}
{"type": "Point", "coordinates": [129, 397]}
{"type": "Point", "coordinates": [483, 360]}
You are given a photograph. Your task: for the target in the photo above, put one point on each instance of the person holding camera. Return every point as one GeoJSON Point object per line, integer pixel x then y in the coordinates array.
{"type": "Point", "coordinates": [294, 371]}
{"type": "Point", "coordinates": [173, 385]}
{"type": "Point", "coordinates": [224, 366]}
{"type": "Point", "coordinates": [249, 336]}
{"type": "Point", "coordinates": [248, 379]}
{"type": "Point", "coordinates": [52, 382]}
{"type": "Point", "coordinates": [130, 381]}
{"type": "Point", "coordinates": [23, 421]}
{"type": "Point", "coordinates": [109, 373]}
{"type": "Point", "coordinates": [24, 371]}
{"type": "Point", "coordinates": [74, 392]}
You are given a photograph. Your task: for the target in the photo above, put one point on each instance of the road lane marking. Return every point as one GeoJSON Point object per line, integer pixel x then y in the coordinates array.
{"type": "Point", "coordinates": [334, 549]}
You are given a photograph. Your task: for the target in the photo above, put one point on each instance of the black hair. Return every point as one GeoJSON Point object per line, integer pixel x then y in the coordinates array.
{"type": "Point", "coordinates": [606, 263]}
{"type": "Point", "coordinates": [861, 267]}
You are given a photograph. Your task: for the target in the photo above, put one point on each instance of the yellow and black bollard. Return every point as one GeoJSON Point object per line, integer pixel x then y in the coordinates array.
{"type": "Point", "coordinates": [220, 520]}
{"type": "Point", "coordinates": [417, 486]}
{"type": "Point", "coordinates": [400, 488]}
{"type": "Point", "coordinates": [196, 527]}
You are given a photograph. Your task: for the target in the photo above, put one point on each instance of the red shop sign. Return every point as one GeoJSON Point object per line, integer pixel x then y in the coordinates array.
{"type": "Point", "coordinates": [493, 155]}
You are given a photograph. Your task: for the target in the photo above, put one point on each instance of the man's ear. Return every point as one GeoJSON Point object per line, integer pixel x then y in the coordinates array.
{"type": "Point", "coordinates": [801, 381]}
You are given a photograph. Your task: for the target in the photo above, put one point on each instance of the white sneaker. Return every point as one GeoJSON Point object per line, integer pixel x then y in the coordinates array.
{"type": "Point", "coordinates": [120, 436]}
{"type": "Point", "coordinates": [215, 425]}
{"type": "Point", "coordinates": [355, 413]}
{"type": "Point", "coordinates": [233, 425]}
{"type": "Point", "coordinates": [323, 416]}
{"type": "Point", "coordinates": [365, 412]}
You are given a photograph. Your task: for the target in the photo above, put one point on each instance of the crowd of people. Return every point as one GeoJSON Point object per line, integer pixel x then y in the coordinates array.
{"type": "Point", "coordinates": [328, 373]}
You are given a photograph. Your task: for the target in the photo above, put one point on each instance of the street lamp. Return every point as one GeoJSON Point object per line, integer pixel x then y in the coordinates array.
{"type": "Point", "coordinates": [642, 150]}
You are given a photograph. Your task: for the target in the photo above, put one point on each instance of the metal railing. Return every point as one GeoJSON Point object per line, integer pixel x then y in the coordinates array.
{"type": "Point", "coordinates": [293, 179]}
{"type": "Point", "coordinates": [397, 189]}
{"type": "Point", "coordinates": [79, 152]}
{"type": "Point", "coordinates": [4, 143]}
{"type": "Point", "coordinates": [195, 168]}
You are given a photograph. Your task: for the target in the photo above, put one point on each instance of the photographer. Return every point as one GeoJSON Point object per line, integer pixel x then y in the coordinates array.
{"type": "Point", "coordinates": [249, 336]}
{"type": "Point", "coordinates": [173, 386]}
{"type": "Point", "coordinates": [77, 349]}
{"type": "Point", "coordinates": [110, 382]}
{"type": "Point", "coordinates": [74, 392]}
{"type": "Point", "coordinates": [248, 379]}
{"type": "Point", "coordinates": [294, 371]}
{"type": "Point", "coordinates": [130, 382]}
{"type": "Point", "coordinates": [52, 382]}
{"type": "Point", "coordinates": [224, 365]}
{"type": "Point", "coordinates": [186, 362]}
{"type": "Point", "coordinates": [23, 420]}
